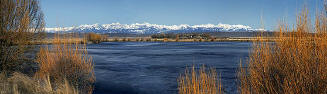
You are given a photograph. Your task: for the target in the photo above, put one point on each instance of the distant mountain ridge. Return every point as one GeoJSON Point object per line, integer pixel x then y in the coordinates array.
{"type": "Point", "coordinates": [147, 28]}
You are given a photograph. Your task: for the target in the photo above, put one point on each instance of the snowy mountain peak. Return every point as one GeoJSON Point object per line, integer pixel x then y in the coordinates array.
{"type": "Point", "coordinates": [151, 28]}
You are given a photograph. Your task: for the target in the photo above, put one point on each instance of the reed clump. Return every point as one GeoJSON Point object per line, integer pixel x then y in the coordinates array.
{"type": "Point", "coordinates": [203, 81]}
{"type": "Point", "coordinates": [68, 61]}
{"type": "Point", "coordinates": [294, 63]}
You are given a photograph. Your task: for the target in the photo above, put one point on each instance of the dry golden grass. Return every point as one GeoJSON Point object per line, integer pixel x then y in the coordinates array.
{"type": "Point", "coordinates": [203, 81]}
{"type": "Point", "coordinates": [22, 84]}
{"type": "Point", "coordinates": [294, 63]}
{"type": "Point", "coordinates": [66, 61]}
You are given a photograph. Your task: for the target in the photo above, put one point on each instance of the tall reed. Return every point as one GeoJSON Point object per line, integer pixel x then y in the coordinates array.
{"type": "Point", "coordinates": [68, 61]}
{"type": "Point", "coordinates": [203, 81]}
{"type": "Point", "coordinates": [294, 63]}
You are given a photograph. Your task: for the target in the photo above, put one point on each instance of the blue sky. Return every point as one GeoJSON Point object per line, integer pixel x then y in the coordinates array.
{"type": "Point", "coordinates": [170, 12]}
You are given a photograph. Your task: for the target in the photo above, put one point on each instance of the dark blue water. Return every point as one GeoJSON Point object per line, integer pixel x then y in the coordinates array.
{"type": "Point", "coordinates": [153, 67]}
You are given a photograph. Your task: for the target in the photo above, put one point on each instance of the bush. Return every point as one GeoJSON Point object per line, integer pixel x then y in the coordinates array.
{"type": "Point", "coordinates": [202, 82]}
{"type": "Point", "coordinates": [21, 22]}
{"type": "Point", "coordinates": [95, 38]}
{"type": "Point", "coordinates": [67, 61]}
{"type": "Point", "coordinates": [296, 62]}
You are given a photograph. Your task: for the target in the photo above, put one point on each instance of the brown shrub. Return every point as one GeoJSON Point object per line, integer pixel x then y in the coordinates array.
{"type": "Point", "coordinates": [21, 22]}
{"type": "Point", "coordinates": [67, 61]}
{"type": "Point", "coordinates": [295, 63]}
{"type": "Point", "coordinates": [165, 39]}
{"type": "Point", "coordinates": [202, 82]}
{"type": "Point", "coordinates": [95, 38]}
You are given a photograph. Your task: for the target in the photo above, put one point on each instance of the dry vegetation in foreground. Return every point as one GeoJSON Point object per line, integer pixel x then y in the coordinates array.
{"type": "Point", "coordinates": [22, 84]}
{"type": "Point", "coordinates": [22, 22]}
{"type": "Point", "coordinates": [295, 63]}
{"type": "Point", "coordinates": [204, 81]}
{"type": "Point", "coordinates": [64, 68]}
{"type": "Point", "coordinates": [66, 61]}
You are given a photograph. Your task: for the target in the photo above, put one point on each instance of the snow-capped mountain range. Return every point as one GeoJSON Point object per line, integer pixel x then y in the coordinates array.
{"type": "Point", "coordinates": [147, 28]}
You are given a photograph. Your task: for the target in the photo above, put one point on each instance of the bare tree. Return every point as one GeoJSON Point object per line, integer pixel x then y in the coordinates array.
{"type": "Point", "coordinates": [21, 21]}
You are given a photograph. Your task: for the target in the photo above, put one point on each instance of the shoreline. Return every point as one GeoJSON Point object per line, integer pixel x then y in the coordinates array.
{"type": "Point", "coordinates": [148, 39]}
